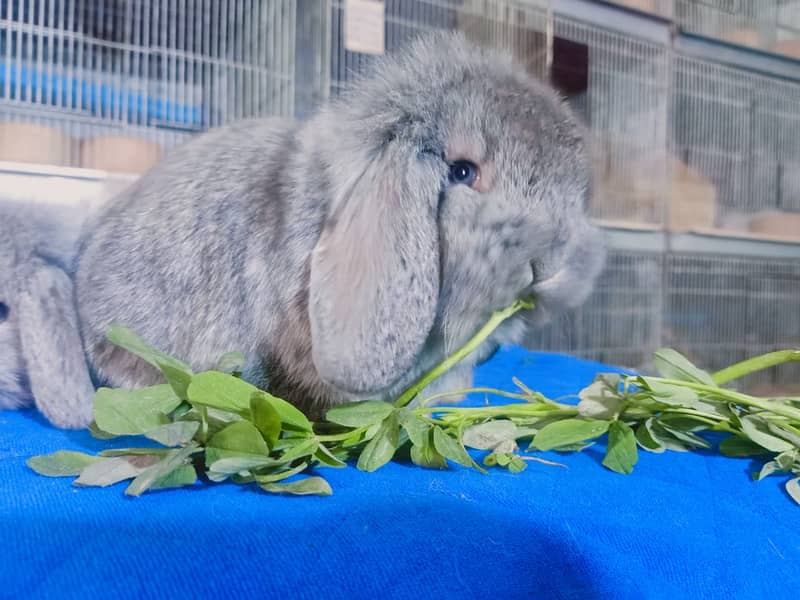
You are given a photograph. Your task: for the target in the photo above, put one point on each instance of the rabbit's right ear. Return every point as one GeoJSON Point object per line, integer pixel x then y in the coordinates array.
{"type": "Point", "coordinates": [374, 282]}
{"type": "Point", "coordinates": [52, 349]}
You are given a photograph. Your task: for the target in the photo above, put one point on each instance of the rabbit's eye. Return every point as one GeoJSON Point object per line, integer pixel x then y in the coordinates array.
{"type": "Point", "coordinates": [464, 172]}
{"type": "Point", "coordinates": [3, 311]}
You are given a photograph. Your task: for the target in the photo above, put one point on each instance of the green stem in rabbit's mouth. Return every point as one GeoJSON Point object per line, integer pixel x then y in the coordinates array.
{"type": "Point", "coordinates": [476, 340]}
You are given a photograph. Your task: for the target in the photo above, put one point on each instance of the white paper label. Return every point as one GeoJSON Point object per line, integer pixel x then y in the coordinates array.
{"type": "Point", "coordinates": [364, 26]}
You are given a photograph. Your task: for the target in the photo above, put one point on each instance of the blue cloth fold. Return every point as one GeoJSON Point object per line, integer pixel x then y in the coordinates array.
{"type": "Point", "coordinates": [683, 524]}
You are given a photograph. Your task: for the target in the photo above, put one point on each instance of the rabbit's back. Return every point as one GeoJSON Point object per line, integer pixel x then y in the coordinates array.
{"type": "Point", "coordinates": [179, 257]}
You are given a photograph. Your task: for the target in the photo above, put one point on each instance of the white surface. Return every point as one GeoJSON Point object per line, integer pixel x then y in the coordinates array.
{"type": "Point", "coordinates": [364, 26]}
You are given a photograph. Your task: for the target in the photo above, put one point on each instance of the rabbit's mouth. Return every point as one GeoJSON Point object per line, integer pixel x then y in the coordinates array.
{"type": "Point", "coordinates": [569, 284]}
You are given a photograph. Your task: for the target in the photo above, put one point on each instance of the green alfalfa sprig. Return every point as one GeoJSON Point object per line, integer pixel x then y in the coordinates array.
{"type": "Point", "coordinates": [495, 320]}
{"type": "Point", "coordinates": [215, 433]}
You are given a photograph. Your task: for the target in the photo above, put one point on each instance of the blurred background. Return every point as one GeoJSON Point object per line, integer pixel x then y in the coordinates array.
{"type": "Point", "coordinates": [693, 106]}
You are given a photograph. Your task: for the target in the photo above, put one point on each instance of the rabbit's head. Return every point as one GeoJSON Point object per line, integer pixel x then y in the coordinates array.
{"type": "Point", "coordinates": [458, 185]}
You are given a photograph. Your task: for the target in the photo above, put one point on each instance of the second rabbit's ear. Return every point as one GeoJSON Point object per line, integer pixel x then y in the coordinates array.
{"type": "Point", "coordinates": [52, 348]}
{"type": "Point", "coordinates": [374, 283]}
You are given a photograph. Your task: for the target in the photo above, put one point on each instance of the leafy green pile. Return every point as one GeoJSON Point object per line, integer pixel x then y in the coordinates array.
{"type": "Point", "coordinates": [215, 426]}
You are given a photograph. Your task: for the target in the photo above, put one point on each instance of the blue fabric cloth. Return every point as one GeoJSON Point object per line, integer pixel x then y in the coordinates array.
{"type": "Point", "coordinates": [682, 525]}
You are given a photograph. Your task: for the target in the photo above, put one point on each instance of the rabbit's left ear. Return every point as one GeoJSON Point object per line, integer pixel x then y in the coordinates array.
{"type": "Point", "coordinates": [374, 282]}
{"type": "Point", "coordinates": [52, 348]}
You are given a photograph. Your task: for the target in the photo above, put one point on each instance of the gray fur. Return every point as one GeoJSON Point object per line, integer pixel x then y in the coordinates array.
{"type": "Point", "coordinates": [41, 355]}
{"type": "Point", "coordinates": [334, 253]}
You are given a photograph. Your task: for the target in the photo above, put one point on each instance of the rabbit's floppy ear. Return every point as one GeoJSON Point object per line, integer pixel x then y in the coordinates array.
{"type": "Point", "coordinates": [374, 281]}
{"type": "Point", "coordinates": [52, 348]}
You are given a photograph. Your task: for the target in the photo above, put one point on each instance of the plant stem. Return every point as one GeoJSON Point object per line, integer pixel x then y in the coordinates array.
{"type": "Point", "coordinates": [735, 397]}
{"type": "Point", "coordinates": [757, 363]}
{"type": "Point", "coordinates": [504, 410]}
{"type": "Point", "coordinates": [448, 363]}
{"type": "Point", "coordinates": [336, 437]}
{"type": "Point", "coordinates": [203, 424]}
{"type": "Point", "coordinates": [490, 391]}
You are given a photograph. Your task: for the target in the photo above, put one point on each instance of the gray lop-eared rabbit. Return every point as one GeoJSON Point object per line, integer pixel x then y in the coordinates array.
{"type": "Point", "coordinates": [348, 254]}
{"type": "Point", "coordinates": [41, 358]}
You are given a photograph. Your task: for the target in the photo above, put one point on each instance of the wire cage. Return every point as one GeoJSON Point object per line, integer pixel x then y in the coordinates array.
{"type": "Point", "coordinates": [154, 70]}
{"type": "Point", "coordinates": [771, 25]}
{"type": "Point", "coordinates": [739, 134]}
{"type": "Point", "coordinates": [662, 8]}
{"type": "Point", "coordinates": [742, 22]}
{"type": "Point", "coordinates": [620, 323]}
{"type": "Point", "coordinates": [516, 26]}
{"type": "Point", "coordinates": [723, 309]}
{"type": "Point", "coordinates": [620, 86]}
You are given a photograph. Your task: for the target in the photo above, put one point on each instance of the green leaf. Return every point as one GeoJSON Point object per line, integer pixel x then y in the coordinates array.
{"type": "Point", "coordinates": [309, 486]}
{"type": "Point", "coordinates": [451, 448]}
{"type": "Point", "coordinates": [182, 476]}
{"type": "Point", "coordinates": [674, 395]}
{"type": "Point", "coordinates": [427, 456]}
{"type": "Point", "coordinates": [173, 434]}
{"type": "Point", "coordinates": [216, 420]}
{"type": "Point", "coordinates": [490, 434]}
{"type": "Point", "coordinates": [663, 437]}
{"type": "Point", "coordinates": [646, 441]}
{"type": "Point", "coordinates": [568, 431]}
{"type": "Point", "coordinates": [231, 362]}
{"type": "Point", "coordinates": [241, 438]}
{"type": "Point", "coordinates": [303, 447]}
{"type": "Point", "coordinates": [291, 417]}
{"type": "Point", "coordinates": [793, 489]}
{"type": "Point", "coordinates": [381, 448]}
{"type": "Point", "coordinates": [739, 447]}
{"type": "Point", "coordinates": [673, 365]}
{"type": "Point", "coordinates": [767, 470]}
{"type": "Point", "coordinates": [239, 464]}
{"type": "Point", "coordinates": [63, 463]}
{"type": "Point", "coordinates": [758, 431]}
{"type": "Point", "coordinates": [575, 447]}
{"type": "Point", "coordinates": [135, 452]}
{"type": "Point", "coordinates": [113, 470]}
{"type": "Point", "coordinates": [599, 400]}
{"type": "Point", "coordinates": [228, 393]}
{"type": "Point", "coordinates": [621, 454]}
{"type": "Point", "coordinates": [161, 470]}
{"type": "Point", "coordinates": [682, 422]}
{"type": "Point", "coordinates": [359, 414]}
{"type": "Point", "coordinates": [123, 412]}
{"type": "Point", "coordinates": [177, 373]}
{"type": "Point", "coordinates": [416, 427]}
{"type": "Point", "coordinates": [353, 439]}
{"type": "Point", "coordinates": [325, 456]}
{"type": "Point", "coordinates": [265, 418]}
{"type": "Point", "coordinates": [281, 475]}
{"type": "Point", "coordinates": [502, 458]}
{"type": "Point", "coordinates": [786, 460]}
{"type": "Point", "coordinates": [785, 432]}
{"type": "Point", "coordinates": [181, 411]}
{"type": "Point", "coordinates": [719, 409]}
{"type": "Point", "coordinates": [517, 465]}
{"type": "Point", "coordinates": [98, 434]}
{"type": "Point", "coordinates": [687, 437]}
{"type": "Point", "coordinates": [221, 391]}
